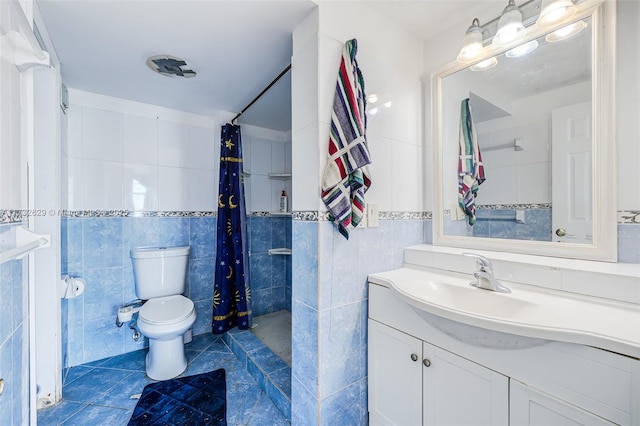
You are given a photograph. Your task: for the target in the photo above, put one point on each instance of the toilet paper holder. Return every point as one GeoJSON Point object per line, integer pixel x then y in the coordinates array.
{"type": "Point", "coordinates": [71, 287]}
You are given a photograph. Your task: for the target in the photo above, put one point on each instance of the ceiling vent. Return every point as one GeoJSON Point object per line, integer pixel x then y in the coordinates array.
{"type": "Point", "coordinates": [170, 66]}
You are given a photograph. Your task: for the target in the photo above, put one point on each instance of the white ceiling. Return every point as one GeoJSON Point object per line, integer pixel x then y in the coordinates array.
{"type": "Point", "coordinates": [236, 46]}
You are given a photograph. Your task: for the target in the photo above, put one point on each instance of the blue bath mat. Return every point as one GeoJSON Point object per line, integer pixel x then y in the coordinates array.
{"type": "Point", "coordinates": [193, 400]}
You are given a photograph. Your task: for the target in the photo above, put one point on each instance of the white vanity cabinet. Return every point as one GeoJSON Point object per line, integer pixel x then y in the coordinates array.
{"type": "Point", "coordinates": [412, 382]}
{"type": "Point", "coordinates": [530, 406]}
{"type": "Point", "coordinates": [439, 372]}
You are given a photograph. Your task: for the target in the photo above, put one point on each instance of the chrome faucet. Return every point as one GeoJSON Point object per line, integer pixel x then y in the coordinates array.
{"type": "Point", "coordinates": [484, 275]}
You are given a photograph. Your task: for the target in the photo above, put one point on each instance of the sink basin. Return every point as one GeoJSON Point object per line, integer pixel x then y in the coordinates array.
{"type": "Point", "coordinates": [526, 311]}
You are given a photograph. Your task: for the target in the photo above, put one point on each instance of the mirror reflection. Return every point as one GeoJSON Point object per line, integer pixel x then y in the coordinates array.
{"type": "Point", "coordinates": [530, 128]}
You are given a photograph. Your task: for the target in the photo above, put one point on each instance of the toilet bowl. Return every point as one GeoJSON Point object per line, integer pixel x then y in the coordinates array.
{"type": "Point", "coordinates": [160, 275]}
{"type": "Point", "coordinates": [164, 320]}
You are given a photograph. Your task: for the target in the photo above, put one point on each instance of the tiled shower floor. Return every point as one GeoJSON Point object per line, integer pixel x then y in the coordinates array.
{"type": "Point", "coordinates": [99, 392]}
{"type": "Point", "coordinates": [275, 331]}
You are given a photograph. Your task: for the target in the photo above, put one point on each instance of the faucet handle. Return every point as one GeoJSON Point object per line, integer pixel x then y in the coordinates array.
{"type": "Point", "coordinates": [483, 263]}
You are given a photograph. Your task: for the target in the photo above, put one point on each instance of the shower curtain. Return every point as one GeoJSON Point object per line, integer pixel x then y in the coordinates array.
{"type": "Point", "coordinates": [231, 291]}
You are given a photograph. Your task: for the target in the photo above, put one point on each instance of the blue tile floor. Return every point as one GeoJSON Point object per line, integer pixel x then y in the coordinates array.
{"type": "Point", "coordinates": [99, 392]}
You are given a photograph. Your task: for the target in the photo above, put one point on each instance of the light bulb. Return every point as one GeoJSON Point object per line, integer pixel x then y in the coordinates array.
{"type": "Point", "coordinates": [522, 50]}
{"type": "Point", "coordinates": [510, 27]}
{"type": "Point", "coordinates": [566, 32]}
{"type": "Point", "coordinates": [554, 11]}
{"type": "Point", "coordinates": [484, 65]}
{"type": "Point", "coordinates": [472, 45]}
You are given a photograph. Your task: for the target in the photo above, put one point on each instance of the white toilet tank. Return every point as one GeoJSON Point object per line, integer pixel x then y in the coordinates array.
{"type": "Point", "coordinates": [159, 271]}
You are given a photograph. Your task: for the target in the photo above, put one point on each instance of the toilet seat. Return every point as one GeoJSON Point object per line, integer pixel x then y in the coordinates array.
{"type": "Point", "coordinates": [166, 310]}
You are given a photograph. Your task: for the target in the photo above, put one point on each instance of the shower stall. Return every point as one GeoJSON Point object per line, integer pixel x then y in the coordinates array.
{"type": "Point", "coordinates": [268, 187]}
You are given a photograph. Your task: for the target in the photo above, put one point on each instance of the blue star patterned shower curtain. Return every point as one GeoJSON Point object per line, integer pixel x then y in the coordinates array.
{"type": "Point", "coordinates": [231, 291]}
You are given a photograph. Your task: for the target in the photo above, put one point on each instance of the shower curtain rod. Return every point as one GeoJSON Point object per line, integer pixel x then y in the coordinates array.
{"type": "Point", "coordinates": [284, 71]}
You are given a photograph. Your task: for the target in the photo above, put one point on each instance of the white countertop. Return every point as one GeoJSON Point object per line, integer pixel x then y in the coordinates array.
{"type": "Point", "coordinates": [526, 311]}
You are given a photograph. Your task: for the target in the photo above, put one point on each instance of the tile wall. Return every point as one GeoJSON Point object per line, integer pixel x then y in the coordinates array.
{"type": "Point", "coordinates": [14, 321]}
{"type": "Point", "coordinates": [516, 177]}
{"type": "Point", "coordinates": [140, 175]}
{"type": "Point", "coordinates": [14, 338]}
{"type": "Point", "coordinates": [97, 250]}
{"type": "Point", "coordinates": [329, 384]}
{"type": "Point", "coordinates": [125, 161]}
{"type": "Point", "coordinates": [330, 314]}
{"type": "Point", "coordinates": [270, 274]}
{"type": "Point", "coordinates": [501, 223]}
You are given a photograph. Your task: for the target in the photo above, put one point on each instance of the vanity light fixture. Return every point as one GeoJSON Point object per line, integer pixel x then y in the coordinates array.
{"type": "Point", "coordinates": [510, 27]}
{"type": "Point", "coordinates": [484, 65]}
{"type": "Point", "coordinates": [472, 45]}
{"type": "Point", "coordinates": [566, 32]}
{"type": "Point", "coordinates": [522, 50]}
{"type": "Point", "coordinates": [554, 11]}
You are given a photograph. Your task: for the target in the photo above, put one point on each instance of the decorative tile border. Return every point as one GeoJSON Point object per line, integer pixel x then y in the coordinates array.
{"type": "Point", "coordinates": [447, 212]}
{"type": "Point", "coordinates": [629, 217]}
{"type": "Point", "coordinates": [308, 216]}
{"type": "Point", "coordinates": [405, 215]}
{"type": "Point", "coordinates": [314, 216]}
{"type": "Point", "coordinates": [17, 216]}
{"type": "Point", "coordinates": [513, 206]}
{"type": "Point", "coordinates": [125, 213]}
{"type": "Point", "coordinates": [13, 216]}
{"type": "Point", "coordinates": [259, 214]}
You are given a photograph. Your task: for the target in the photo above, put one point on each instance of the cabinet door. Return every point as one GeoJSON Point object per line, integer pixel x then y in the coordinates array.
{"type": "Point", "coordinates": [460, 392]}
{"type": "Point", "coordinates": [532, 407]}
{"type": "Point", "coordinates": [395, 377]}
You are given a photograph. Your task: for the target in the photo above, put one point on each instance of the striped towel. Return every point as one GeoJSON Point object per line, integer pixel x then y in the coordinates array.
{"type": "Point", "coordinates": [470, 168]}
{"type": "Point", "coordinates": [346, 177]}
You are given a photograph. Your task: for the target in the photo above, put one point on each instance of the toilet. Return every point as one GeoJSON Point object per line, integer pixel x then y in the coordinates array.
{"type": "Point", "coordinates": [160, 275]}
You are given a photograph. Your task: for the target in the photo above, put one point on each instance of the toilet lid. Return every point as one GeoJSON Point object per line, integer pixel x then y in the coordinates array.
{"type": "Point", "coordinates": [166, 309]}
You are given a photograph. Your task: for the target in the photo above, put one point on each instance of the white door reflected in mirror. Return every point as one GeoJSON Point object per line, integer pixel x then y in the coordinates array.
{"type": "Point", "coordinates": [571, 177]}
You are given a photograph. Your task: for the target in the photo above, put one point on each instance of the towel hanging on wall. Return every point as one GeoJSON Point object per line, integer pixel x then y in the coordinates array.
{"type": "Point", "coordinates": [470, 167]}
{"type": "Point", "coordinates": [347, 177]}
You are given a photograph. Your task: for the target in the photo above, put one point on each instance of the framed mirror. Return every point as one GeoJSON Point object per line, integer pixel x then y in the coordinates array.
{"type": "Point", "coordinates": [538, 117]}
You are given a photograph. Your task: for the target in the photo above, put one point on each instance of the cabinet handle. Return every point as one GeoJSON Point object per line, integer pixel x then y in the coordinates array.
{"type": "Point", "coordinates": [426, 362]}
{"type": "Point", "coordinates": [414, 357]}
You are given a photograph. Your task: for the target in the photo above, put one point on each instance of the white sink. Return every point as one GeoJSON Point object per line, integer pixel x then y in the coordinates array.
{"type": "Point", "coordinates": [526, 311]}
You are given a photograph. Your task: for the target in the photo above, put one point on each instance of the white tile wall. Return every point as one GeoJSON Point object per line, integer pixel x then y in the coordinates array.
{"type": "Point", "coordinates": [174, 188]}
{"type": "Point", "coordinates": [74, 128]}
{"type": "Point", "coordinates": [134, 160]}
{"type": "Point", "coordinates": [534, 183]}
{"type": "Point", "coordinates": [264, 156]}
{"type": "Point", "coordinates": [140, 138]}
{"type": "Point", "coordinates": [102, 185]}
{"type": "Point", "coordinates": [381, 150]}
{"type": "Point", "coordinates": [304, 83]}
{"type": "Point", "coordinates": [406, 189]}
{"type": "Point", "coordinates": [398, 183]}
{"type": "Point", "coordinates": [202, 153]}
{"type": "Point", "coordinates": [75, 181]}
{"type": "Point", "coordinates": [140, 187]}
{"type": "Point", "coordinates": [173, 145]}
{"type": "Point", "coordinates": [305, 167]}
{"type": "Point", "coordinates": [517, 176]}
{"type": "Point", "coordinates": [101, 135]}
{"type": "Point", "coordinates": [201, 195]}
{"type": "Point", "coordinates": [500, 186]}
